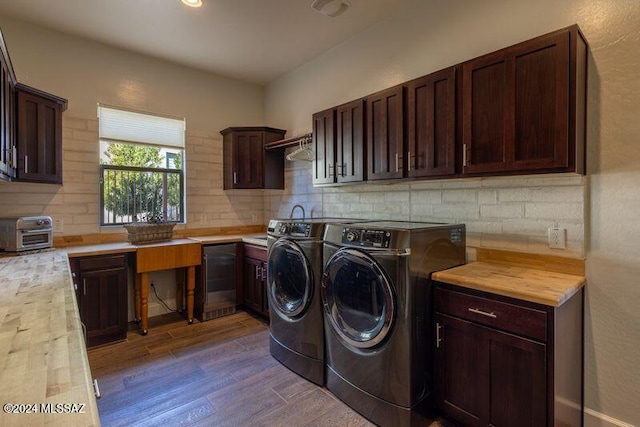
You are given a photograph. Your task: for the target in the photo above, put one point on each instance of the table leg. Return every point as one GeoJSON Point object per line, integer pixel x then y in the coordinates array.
{"type": "Point", "coordinates": [179, 272]}
{"type": "Point", "coordinates": [136, 299]}
{"type": "Point", "coordinates": [191, 285]}
{"type": "Point", "coordinates": [144, 302]}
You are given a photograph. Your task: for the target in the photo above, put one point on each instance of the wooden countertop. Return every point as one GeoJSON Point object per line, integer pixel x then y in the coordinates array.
{"type": "Point", "coordinates": [539, 286]}
{"type": "Point", "coordinates": [43, 358]}
{"type": "Point", "coordinates": [124, 247]}
{"type": "Point", "coordinates": [100, 249]}
{"type": "Point", "coordinates": [254, 239]}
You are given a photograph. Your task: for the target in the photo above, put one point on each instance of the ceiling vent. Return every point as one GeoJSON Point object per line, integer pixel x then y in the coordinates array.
{"type": "Point", "coordinates": [330, 8]}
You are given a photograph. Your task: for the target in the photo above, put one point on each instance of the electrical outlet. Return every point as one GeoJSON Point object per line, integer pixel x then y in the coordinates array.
{"type": "Point", "coordinates": [254, 218]}
{"type": "Point", "coordinates": [557, 238]}
{"type": "Point", "coordinates": [58, 225]}
{"type": "Point", "coordinates": [203, 219]}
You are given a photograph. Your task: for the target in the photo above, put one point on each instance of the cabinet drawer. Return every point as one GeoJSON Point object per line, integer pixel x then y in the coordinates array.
{"type": "Point", "coordinates": [102, 262]}
{"type": "Point", "coordinates": [519, 320]}
{"type": "Point", "coordinates": [255, 252]}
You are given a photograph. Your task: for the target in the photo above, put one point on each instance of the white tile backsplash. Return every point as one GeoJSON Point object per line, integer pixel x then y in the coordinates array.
{"type": "Point", "coordinates": [510, 213]}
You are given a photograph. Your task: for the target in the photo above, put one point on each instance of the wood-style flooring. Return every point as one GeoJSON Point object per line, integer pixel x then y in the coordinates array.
{"type": "Point", "coordinates": [216, 373]}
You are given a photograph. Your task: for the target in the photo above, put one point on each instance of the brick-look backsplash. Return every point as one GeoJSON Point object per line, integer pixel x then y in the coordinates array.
{"type": "Point", "coordinates": [510, 213]}
{"type": "Point", "coordinates": [77, 202]}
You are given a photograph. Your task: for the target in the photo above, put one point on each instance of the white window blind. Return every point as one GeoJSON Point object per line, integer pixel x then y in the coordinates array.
{"type": "Point", "coordinates": [120, 125]}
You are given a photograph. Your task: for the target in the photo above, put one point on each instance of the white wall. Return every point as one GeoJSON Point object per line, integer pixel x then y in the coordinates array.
{"type": "Point", "coordinates": [87, 73]}
{"type": "Point", "coordinates": [429, 35]}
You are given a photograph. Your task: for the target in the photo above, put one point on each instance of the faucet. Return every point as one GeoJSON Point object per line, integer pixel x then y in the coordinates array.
{"type": "Point", "coordinates": [294, 208]}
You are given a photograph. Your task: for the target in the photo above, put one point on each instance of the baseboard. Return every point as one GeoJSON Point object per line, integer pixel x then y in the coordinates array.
{"type": "Point", "coordinates": [596, 419]}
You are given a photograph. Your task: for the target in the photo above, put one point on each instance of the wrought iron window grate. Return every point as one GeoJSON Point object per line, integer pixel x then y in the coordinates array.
{"type": "Point", "coordinates": [129, 194]}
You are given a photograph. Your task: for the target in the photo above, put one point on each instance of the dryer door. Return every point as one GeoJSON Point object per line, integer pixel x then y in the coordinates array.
{"type": "Point", "coordinates": [358, 298]}
{"type": "Point", "coordinates": [290, 280]}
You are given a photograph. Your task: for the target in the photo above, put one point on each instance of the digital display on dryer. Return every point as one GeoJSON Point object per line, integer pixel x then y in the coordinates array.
{"type": "Point", "coordinates": [366, 238]}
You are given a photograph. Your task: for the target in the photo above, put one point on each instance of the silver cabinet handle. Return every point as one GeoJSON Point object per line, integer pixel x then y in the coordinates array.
{"type": "Point", "coordinates": [465, 160]}
{"type": "Point", "coordinates": [331, 167]}
{"type": "Point", "coordinates": [397, 166]}
{"type": "Point", "coordinates": [484, 313]}
{"type": "Point", "coordinates": [263, 274]}
{"type": "Point", "coordinates": [84, 286]}
{"type": "Point", "coordinates": [438, 339]}
{"type": "Point", "coordinates": [235, 177]}
{"type": "Point", "coordinates": [26, 164]}
{"type": "Point", "coordinates": [96, 389]}
{"type": "Point", "coordinates": [257, 271]}
{"type": "Point", "coordinates": [14, 157]}
{"type": "Point", "coordinates": [409, 161]}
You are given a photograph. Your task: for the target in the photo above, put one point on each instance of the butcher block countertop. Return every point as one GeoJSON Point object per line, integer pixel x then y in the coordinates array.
{"type": "Point", "coordinates": [43, 359]}
{"type": "Point", "coordinates": [124, 247]}
{"type": "Point", "coordinates": [528, 284]}
{"type": "Point", "coordinates": [254, 239]}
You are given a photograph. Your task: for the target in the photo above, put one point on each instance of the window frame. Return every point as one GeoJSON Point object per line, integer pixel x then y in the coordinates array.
{"type": "Point", "coordinates": [146, 123]}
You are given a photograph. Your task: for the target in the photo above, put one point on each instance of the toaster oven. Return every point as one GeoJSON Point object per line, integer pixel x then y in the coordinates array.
{"type": "Point", "coordinates": [26, 233]}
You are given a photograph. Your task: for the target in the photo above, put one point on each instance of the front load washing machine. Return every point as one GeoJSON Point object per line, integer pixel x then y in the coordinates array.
{"type": "Point", "coordinates": [294, 269]}
{"type": "Point", "coordinates": [377, 299]}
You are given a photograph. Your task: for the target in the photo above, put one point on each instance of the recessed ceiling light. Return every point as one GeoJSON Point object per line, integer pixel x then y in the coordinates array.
{"type": "Point", "coordinates": [192, 3]}
{"type": "Point", "coordinates": [331, 8]}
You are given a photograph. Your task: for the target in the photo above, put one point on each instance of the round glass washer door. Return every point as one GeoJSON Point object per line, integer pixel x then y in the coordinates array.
{"type": "Point", "coordinates": [358, 299]}
{"type": "Point", "coordinates": [289, 277]}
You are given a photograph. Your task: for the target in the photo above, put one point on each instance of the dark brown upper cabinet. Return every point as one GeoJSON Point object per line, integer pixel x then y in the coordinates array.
{"type": "Point", "coordinates": [324, 146]}
{"type": "Point", "coordinates": [350, 143]}
{"type": "Point", "coordinates": [385, 134]}
{"type": "Point", "coordinates": [246, 163]}
{"type": "Point", "coordinates": [523, 107]}
{"type": "Point", "coordinates": [8, 152]}
{"type": "Point", "coordinates": [39, 135]}
{"type": "Point", "coordinates": [431, 125]}
{"type": "Point", "coordinates": [339, 145]}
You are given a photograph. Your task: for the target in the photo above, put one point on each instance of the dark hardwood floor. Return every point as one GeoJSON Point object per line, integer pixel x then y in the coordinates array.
{"type": "Point", "coordinates": [216, 373]}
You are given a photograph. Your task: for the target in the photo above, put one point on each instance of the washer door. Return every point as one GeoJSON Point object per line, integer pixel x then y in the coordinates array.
{"type": "Point", "coordinates": [290, 279]}
{"type": "Point", "coordinates": [358, 298]}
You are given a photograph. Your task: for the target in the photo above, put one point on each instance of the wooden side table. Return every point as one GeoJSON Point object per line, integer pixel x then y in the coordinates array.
{"type": "Point", "coordinates": [177, 253]}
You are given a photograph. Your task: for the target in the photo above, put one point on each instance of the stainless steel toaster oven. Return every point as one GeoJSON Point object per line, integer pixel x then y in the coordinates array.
{"type": "Point", "coordinates": [26, 233]}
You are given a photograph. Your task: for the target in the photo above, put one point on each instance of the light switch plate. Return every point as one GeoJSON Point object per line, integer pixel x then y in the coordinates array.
{"type": "Point", "coordinates": [58, 225]}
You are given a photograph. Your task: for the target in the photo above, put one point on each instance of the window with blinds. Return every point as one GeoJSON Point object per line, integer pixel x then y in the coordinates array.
{"type": "Point", "coordinates": [141, 166]}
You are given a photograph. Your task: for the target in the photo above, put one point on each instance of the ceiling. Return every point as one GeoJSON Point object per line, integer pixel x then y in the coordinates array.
{"type": "Point", "coordinates": [251, 40]}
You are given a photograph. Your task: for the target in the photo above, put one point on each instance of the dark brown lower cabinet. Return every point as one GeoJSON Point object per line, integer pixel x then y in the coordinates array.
{"type": "Point", "coordinates": [498, 362]}
{"type": "Point", "coordinates": [254, 273]}
{"type": "Point", "coordinates": [101, 290]}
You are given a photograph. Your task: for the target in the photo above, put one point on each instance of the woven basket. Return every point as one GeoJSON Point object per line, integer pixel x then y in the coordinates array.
{"type": "Point", "coordinates": [142, 232]}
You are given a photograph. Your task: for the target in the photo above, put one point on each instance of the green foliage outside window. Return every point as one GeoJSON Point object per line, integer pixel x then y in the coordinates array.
{"type": "Point", "coordinates": [137, 195]}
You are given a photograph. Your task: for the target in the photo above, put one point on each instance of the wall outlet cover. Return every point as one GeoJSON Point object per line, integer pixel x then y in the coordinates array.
{"type": "Point", "coordinates": [557, 238]}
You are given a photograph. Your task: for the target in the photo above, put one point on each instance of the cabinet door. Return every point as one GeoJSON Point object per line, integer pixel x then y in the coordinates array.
{"type": "Point", "coordinates": [462, 373]}
{"type": "Point", "coordinates": [350, 144]}
{"type": "Point", "coordinates": [103, 305]}
{"type": "Point", "coordinates": [518, 381]}
{"type": "Point", "coordinates": [487, 377]}
{"type": "Point", "coordinates": [39, 139]}
{"type": "Point", "coordinates": [515, 108]}
{"type": "Point", "coordinates": [264, 289]}
{"type": "Point", "coordinates": [248, 155]}
{"type": "Point", "coordinates": [253, 289]}
{"type": "Point", "coordinates": [431, 121]}
{"type": "Point", "coordinates": [385, 135]}
{"type": "Point", "coordinates": [324, 143]}
{"type": "Point", "coordinates": [7, 135]}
